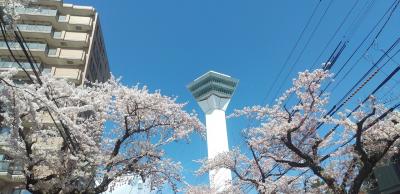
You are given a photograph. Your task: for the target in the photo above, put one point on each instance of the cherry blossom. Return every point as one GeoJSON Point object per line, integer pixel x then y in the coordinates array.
{"type": "Point", "coordinates": [300, 147]}
{"type": "Point", "coordinates": [80, 139]}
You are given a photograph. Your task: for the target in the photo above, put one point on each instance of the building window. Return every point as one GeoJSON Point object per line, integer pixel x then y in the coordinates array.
{"type": "Point", "coordinates": [20, 191]}
{"type": "Point", "coordinates": [4, 134]}
{"type": "Point", "coordinates": [78, 27]}
{"type": "Point", "coordinates": [52, 52]}
{"type": "Point", "coordinates": [57, 35]}
{"type": "Point", "coordinates": [46, 70]}
{"type": "Point", "coordinates": [63, 44]}
{"type": "Point", "coordinates": [62, 18]}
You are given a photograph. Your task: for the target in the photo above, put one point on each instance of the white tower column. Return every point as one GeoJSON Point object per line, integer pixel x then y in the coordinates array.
{"type": "Point", "coordinates": [217, 142]}
{"type": "Point", "coordinates": [213, 92]}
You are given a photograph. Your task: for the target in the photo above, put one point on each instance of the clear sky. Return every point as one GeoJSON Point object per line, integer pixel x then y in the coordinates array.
{"type": "Point", "coordinates": [165, 44]}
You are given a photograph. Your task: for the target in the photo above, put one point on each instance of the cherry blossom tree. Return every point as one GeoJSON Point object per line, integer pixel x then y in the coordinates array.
{"type": "Point", "coordinates": [81, 139]}
{"type": "Point", "coordinates": [8, 13]}
{"type": "Point", "coordinates": [303, 148]}
{"type": "Point", "coordinates": [205, 189]}
{"type": "Point", "coordinates": [85, 139]}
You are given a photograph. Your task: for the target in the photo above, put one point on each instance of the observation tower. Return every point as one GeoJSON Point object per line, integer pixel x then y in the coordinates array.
{"type": "Point", "coordinates": [213, 92]}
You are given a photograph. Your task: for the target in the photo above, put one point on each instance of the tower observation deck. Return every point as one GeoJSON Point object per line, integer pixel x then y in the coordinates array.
{"type": "Point", "coordinates": [213, 92]}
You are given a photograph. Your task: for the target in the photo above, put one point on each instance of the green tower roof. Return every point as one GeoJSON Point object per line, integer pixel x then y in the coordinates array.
{"type": "Point", "coordinates": [213, 83]}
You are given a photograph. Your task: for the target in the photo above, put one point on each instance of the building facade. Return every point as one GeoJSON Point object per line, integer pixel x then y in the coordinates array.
{"type": "Point", "coordinates": [66, 42]}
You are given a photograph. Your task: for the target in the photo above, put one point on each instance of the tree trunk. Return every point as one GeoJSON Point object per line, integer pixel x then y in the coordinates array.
{"type": "Point", "coordinates": [364, 173]}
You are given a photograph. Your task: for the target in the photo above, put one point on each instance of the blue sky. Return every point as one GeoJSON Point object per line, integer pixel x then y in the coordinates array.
{"type": "Point", "coordinates": [166, 44]}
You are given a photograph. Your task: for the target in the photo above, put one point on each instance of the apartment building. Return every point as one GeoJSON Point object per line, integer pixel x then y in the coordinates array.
{"type": "Point", "coordinates": [66, 42]}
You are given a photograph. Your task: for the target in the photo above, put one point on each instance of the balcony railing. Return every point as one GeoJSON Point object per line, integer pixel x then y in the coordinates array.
{"type": "Point", "coordinates": [31, 46]}
{"type": "Point", "coordinates": [35, 11]}
{"type": "Point", "coordinates": [34, 28]}
{"type": "Point", "coordinates": [16, 169]}
{"type": "Point", "coordinates": [21, 191]}
{"type": "Point", "coordinates": [10, 167]}
{"type": "Point", "coordinates": [13, 64]}
{"type": "Point", "coordinates": [4, 166]}
{"type": "Point", "coordinates": [51, 0]}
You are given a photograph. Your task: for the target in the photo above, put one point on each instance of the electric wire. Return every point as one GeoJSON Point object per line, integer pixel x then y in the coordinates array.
{"type": "Point", "coordinates": [283, 67]}
{"type": "Point", "coordinates": [332, 111]}
{"type": "Point", "coordinates": [346, 98]}
{"type": "Point", "coordinates": [303, 50]}
{"type": "Point", "coordinates": [359, 19]}
{"type": "Point", "coordinates": [394, 72]}
{"type": "Point", "coordinates": [391, 10]}
{"type": "Point", "coordinates": [390, 58]}
{"type": "Point", "coordinates": [71, 144]}
{"type": "Point", "coordinates": [385, 81]}
{"type": "Point", "coordinates": [11, 52]}
{"type": "Point", "coordinates": [346, 38]}
{"type": "Point", "coordinates": [28, 57]}
{"type": "Point", "coordinates": [335, 33]}
{"type": "Point", "coordinates": [28, 49]}
{"type": "Point", "coordinates": [342, 145]}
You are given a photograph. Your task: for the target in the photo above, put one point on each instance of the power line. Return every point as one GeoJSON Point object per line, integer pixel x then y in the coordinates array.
{"type": "Point", "coordinates": [303, 49]}
{"type": "Point", "coordinates": [344, 100]}
{"type": "Point", "coordinates": [28, 57]}
{"type": "Point", "coordinates": [291, 52]}
{"type": "Point", "coordinates": [12, 53]}
{"type": "Point", "coordinates": [343, 43]}
{"type": "Point", "coordinates": [64, 132]}
{"type": "Point", "coordinates": [29, 51]}
{"type": "Point", "coordinates": [390, 10]}
{"type": "Point", "coordinates": [393, 73]}
{"type": "Point", "coordinates": [397, 82]}
{"type": "Point", "coordinates": [336, 32]}
{"type": "Point", "coordinates": [359, 19]}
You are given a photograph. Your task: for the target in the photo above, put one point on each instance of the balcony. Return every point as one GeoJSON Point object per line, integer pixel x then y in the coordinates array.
{"type": "Point", "coordinates": [13, 64]}
{"type": "Point", "coordinates": [32, 46]}
{"type": "Point", "coordinates": [34, 28]}
{"type": "Point", "coordinates": [5, 167]}
{"type": "Point", "coordinates": [71, 74]}
{"type": "Point", "coordinates": [48, 2]}
{"type": "Point", "coordinates": [75, 23]}
{"type": "Point", "coordinates": [53, 1]}
{"type": "Point", "coordinates": [57, 38]}
{"type": "Point", "coordinates": [43, 117]}
{"type": "Point", "coordinates": [57, 56]}
{"type": "Point", "coordinates": [21, 191]}
{"type": "Point", "coordinates": [7, 65]}
{"type": "Point", "coordinates": [10, 171]}
{"type": "Point", "coordinates": [35, 31]}
{"type": "Point", "coordinates": [67, 56]}
{"type": "Point", "coordinates": [71, 39]}
{"type": "Point", "coordinates": [37, 49]}
{"type": "Point", "coordinates": [77, 10]}
{"type": "Point", "coordinates": [4, 137]}
{"type": "Point", "coordinates": [36, 12]}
